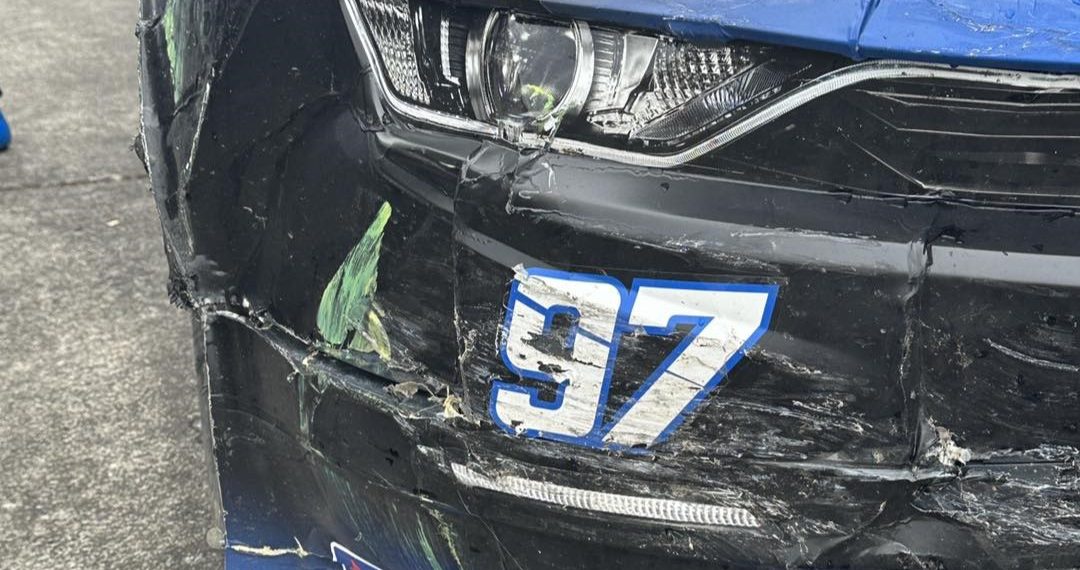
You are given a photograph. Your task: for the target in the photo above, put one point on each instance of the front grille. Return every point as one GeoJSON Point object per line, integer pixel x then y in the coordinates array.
{"type": "Point", "coordinates": [926, 139]}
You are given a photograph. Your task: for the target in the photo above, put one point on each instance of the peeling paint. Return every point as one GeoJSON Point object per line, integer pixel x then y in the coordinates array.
{"type": "Point", "coordinates": [271, 552]}
{"type": "Point", "coordinates": [1061, 366]}
{"type": "Point", "coordinates": [946, 450]}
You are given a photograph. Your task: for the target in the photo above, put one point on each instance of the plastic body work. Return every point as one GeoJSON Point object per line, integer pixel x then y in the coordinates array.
{"type": "Point", "coordinates": [627, 285]}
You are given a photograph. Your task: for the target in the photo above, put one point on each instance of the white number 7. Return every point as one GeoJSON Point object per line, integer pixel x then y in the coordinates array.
{"type": "Point", "coordinates": [726, 320]}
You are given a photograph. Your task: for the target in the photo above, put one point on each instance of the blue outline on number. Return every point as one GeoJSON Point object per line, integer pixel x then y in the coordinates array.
{"type": "Point", "coordinates": [498, 385]}
{"type": "Point", "coordinates": [700, 323]}
{"type": "Point", "coordinates": [595, 438]}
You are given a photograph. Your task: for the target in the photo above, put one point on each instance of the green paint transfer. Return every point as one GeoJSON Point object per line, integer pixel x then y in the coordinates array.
{"type": "Point", "coordinates": [170, 22]}
{"type": "Point", "coordinates": [425, 545]}
{"type": "Point", "coordinates": [347, 317]}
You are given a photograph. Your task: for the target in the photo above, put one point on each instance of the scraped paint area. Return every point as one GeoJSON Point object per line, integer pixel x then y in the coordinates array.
{"type": "Point", "coordinates": [169, 25]}
{"type": "Point", "coordinates": [348, 319]}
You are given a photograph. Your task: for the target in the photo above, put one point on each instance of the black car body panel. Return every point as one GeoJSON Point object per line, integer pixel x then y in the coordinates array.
{"type": "Point", "coordinates": [914, 402]}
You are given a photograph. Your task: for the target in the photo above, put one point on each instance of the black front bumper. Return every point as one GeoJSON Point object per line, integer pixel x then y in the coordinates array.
{"type": "Point", "coordinates": [914, 401]}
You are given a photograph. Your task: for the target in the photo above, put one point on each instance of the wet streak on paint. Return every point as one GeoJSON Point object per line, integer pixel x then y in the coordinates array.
{"type": "Point", "coordinates": [347, 317]}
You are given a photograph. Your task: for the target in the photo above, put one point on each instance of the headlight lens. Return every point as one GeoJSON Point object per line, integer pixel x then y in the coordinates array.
{"type": "Point", "coordinates": [521, 74]}
{"type": "Point", "coordinates": [529, 71]}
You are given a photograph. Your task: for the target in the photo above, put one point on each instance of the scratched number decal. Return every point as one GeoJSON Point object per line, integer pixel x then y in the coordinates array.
{"type": "Point", "coordinates": [725, 320]}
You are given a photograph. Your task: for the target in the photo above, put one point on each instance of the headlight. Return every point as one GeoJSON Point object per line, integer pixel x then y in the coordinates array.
{"type": "Point", "coordinates": [527, 77]}
{"type": "Point", "coordinates": [529, 72]}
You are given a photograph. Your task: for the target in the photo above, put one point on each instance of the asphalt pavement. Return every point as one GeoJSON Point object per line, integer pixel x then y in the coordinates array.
{"type": "Point", "coordinates": [101, 463]}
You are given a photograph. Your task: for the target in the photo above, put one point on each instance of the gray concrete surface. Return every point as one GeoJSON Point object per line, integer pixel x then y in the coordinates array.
{"type": "Point", "coordinates": [100, 460]}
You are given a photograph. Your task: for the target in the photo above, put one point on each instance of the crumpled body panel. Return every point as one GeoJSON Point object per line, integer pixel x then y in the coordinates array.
{"type": "Point", "coordinates": [912, 402]}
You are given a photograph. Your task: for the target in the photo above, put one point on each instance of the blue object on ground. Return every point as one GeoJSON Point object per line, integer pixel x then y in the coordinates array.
{"type": "Point", "coordinates": [5, 133]}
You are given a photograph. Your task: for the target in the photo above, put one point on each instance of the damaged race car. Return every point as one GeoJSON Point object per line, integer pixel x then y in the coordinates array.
{"type": "Point", "coordinates": [643, 284]}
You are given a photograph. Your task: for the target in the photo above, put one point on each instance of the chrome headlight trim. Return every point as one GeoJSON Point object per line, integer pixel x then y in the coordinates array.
{"type": "Point", "coordinates": [364, 47]}
{"type": "Point", "coordinates": [475, 55]}
{"type": "Point", "coordinates": [830, 82]}
{"type": "Point", "coordinates": [575, 98]}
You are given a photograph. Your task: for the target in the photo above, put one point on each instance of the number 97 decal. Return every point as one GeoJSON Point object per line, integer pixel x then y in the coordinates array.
{"type": "Point", "coordinates": [725, 320]}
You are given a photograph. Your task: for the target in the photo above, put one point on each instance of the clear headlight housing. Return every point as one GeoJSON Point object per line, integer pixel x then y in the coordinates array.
{"type": "Point", "coordinates": [527, 71]}
{"type": "Point", "coordinates": [525, 77]}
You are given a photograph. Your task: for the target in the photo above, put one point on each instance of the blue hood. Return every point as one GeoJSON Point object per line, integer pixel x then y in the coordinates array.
{"type": "Point", "coordinates": [1042, 35]}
